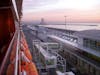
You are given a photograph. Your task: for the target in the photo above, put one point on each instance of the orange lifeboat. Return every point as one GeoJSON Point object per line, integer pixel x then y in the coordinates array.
{"type": "Point", "coordinates": [23, 41]}
{"type": "Point", "coordinates": [28, 66]}
{"type": "Point", "coordinates": [13, 52]}
{"type": "Point", "coordinates": [24, 48]}
{"type": "Point", "coordinates": [26, 52]}
{"type": "Point", "coordinates": [10, 69]}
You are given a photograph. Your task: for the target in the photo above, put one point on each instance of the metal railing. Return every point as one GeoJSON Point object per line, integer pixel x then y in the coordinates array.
{"type": "Point", "coordinates": [15, 7]}
{"type": "Point", "coordinates": [17, 55]}
{"type": "Point", "coordinates": [6, 60]}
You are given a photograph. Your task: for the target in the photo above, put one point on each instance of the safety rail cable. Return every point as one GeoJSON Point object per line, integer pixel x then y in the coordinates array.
{"type": "Point", "coordinates": [7, 54]}
{"type": "Point", "coordinates": [17, 54]}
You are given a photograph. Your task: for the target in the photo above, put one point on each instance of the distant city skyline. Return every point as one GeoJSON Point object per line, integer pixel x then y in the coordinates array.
{"type": "Point", "coordinates": [53, 11]}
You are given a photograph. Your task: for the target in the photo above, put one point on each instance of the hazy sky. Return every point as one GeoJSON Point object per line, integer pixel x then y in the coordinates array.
{"type": "Point", "coordinates": [55, 10]}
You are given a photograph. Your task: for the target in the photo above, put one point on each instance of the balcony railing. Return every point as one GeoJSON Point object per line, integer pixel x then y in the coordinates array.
{"type": "Point", "coordinates": [15, 8]}
{"type": "Point", "coordinates": [6, 61]}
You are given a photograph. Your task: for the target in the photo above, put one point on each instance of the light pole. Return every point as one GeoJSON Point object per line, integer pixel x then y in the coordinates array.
{"type": "Point", "coordinates": [65, 19]}
{"type": "Point", "coordinates": [65, 24]}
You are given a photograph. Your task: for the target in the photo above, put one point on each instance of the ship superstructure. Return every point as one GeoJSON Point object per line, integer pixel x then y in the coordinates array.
{"type": "Point", "coordinates": [15, 56]}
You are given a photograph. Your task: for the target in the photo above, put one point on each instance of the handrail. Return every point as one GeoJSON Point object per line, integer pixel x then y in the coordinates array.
{"type": "Point", "coordinates": [15, 7]}
{"type": "Point", "coordinates": [17, 53]}
{"type": "Point", "coordinates": [7, 54]}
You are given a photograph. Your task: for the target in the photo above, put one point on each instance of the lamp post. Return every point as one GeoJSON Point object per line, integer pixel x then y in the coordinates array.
{"type": "Point", "coordinates": [65, 21]}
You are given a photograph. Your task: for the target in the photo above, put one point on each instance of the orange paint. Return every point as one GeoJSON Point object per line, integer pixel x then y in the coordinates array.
{"type": "Point", "coordinates": [30, 68]}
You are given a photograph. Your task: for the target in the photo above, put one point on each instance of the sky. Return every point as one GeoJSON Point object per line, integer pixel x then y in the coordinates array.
{"type": "Point", "coordinates": [53, 11]}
